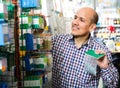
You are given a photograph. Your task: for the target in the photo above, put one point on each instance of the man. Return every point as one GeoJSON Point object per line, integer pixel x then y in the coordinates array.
{"type": "Point", "coordinates": [69, 55]}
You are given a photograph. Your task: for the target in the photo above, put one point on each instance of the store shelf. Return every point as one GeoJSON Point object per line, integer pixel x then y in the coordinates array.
{"type": "Point", "coordinates": [108, 25]}
{"type": "Point", "coordinates": [115, 51]}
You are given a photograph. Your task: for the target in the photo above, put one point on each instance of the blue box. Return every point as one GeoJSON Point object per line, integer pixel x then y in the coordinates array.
{"type": "Point", "coordinates": [28, 3]}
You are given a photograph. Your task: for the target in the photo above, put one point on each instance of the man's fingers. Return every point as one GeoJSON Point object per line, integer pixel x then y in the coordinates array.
{"type": "Point", "coordinates": [99, 52]}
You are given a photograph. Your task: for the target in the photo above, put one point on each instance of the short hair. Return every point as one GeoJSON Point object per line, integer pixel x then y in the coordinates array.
{"type": "Point", "coordinates": [95, 18]}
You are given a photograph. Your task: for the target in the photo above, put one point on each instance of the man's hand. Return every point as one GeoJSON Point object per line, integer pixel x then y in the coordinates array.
{"type": "Point", "coordinates": [102, 62]}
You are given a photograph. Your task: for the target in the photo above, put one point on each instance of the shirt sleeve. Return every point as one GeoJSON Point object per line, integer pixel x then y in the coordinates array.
{"type": "Point", "coordinates": [55, 44]}
{"type": "Point", "coordinates": [110, 75]}
{"type": "Point", "coordinates": [54, 38]}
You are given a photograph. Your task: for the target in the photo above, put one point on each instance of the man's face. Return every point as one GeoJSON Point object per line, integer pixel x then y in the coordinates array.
{"type": "Point", "coordinates": [81, 24]}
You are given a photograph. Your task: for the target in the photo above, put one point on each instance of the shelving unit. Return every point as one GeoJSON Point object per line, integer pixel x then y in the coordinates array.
{"type": "Point", "coordinates": [7, 59]}
{"type": "Point", "coordinates": [108, 27]}
{"type": "Point", "coordinates": [28, 59]}
{"type": "Point", "coordinates": [35, 42]}
{"type": "Point", "coordinates": [106, 33]}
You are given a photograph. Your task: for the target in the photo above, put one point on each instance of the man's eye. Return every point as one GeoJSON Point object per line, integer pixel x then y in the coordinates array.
{"type": "Point", "coordinates": [81, 20]}
{"type": "Point", "coordinates": [75, 17]}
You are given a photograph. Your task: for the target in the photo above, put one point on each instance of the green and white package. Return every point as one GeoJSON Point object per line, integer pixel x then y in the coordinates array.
{"type": "Point", "coordinates": [91, 61]}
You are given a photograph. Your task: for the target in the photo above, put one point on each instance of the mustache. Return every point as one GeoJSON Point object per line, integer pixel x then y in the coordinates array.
{"type": "Point", "coordinates": [73, 26]}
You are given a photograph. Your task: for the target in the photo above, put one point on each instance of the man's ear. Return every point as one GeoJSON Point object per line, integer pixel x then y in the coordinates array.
{"type": "Point", "coordinates": [92, 27]}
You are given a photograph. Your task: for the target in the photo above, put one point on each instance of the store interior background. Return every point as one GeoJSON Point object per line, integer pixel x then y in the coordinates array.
{"type": "Point", "coordinates": [25, 36]}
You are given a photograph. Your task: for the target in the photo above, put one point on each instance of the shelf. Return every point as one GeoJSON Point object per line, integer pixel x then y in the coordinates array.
{"type": "Point", "coordinates": [37, 51]}
{"type": "Point", "coordinates": [108, 25]}
{"type": "Point", "coordinates": [115, 51]}
{"type": "Point", "coordinates": [39, 74]}
{"type": "Point", "coordinates": [39, 14]}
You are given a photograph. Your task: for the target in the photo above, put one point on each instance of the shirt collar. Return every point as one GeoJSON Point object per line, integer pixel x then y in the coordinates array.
{"type": "Point", "coordinates": [89, 42]}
